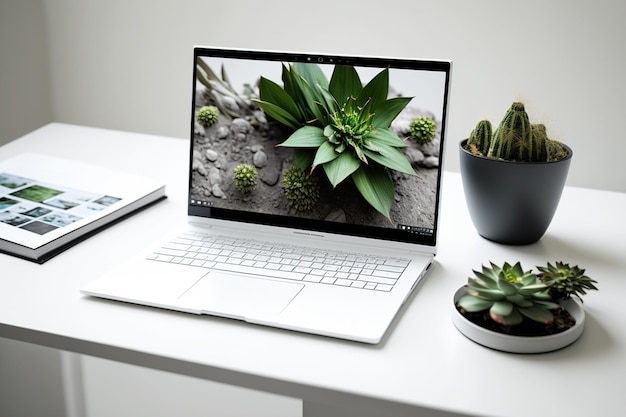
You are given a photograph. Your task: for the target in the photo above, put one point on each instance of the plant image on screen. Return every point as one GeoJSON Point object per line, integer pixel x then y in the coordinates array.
{"type": "Point", "coordinates": [327, 142]}
{"type": "Point", "coordinates": [342, 126]}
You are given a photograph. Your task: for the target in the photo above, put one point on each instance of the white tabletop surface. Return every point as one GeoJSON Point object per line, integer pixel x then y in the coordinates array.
{"type": "Point", "coordinates": [423, 364]}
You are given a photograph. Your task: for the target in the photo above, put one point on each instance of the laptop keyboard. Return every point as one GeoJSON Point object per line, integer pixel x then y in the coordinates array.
{"type": "Point", "coordinates": [276, 260]}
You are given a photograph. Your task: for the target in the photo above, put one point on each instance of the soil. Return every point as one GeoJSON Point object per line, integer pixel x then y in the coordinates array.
{"type": "Point", "coordinates": [250, 138]}
{"type": "Point", "coordinates": [563, 320]}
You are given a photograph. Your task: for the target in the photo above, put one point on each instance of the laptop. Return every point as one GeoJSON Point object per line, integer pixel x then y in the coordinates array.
{"type": "Point", "coordinates": [314, 193]}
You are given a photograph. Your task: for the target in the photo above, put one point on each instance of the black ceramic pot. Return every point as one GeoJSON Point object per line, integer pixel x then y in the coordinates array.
{"type": "Point", "coordinates": [512, 202]}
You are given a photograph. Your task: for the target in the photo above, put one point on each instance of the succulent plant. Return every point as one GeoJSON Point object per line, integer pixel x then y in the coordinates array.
{"type": "Point", "coordinates": [565, 281]}
{"type": "Point", "coordinates": [515, 139]}
{"type": "Point", "coordinates": [509, 294]}
{"type": "Point", "coordinates": [245, 177]}
{"type": "Point", "coordinates": [423, 129]}
{"type": "Point", "coordinates": [207, 115]}
{"type": "Point", "coordinates": [301, 188]}
{"type": "Point", "coordinates": [480, 138]}
{"type": "Point", "coordinates": [342, 126]}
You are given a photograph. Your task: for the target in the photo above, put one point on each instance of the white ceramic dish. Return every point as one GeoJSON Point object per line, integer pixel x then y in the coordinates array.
{"type": "Point", "coordinates": [520, 344]}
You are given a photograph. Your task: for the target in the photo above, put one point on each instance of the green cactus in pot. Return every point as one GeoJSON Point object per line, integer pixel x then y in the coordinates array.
{"type": "Point", "coordinates": [515, 139]}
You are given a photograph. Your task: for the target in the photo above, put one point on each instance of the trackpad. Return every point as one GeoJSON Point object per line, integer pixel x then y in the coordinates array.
{"type": "Point", "coordinates": [239, 296]}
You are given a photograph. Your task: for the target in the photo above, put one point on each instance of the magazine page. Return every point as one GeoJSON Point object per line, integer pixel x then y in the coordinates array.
{"type": "Point", "coordinates": [43, 198]}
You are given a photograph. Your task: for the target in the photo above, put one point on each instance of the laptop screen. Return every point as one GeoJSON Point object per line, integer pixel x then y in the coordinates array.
{"type": "Point", "coordinates": [349, 145]}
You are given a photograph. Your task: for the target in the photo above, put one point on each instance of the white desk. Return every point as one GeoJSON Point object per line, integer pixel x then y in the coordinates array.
{"type": "Point", "coordinates": [424, 366]}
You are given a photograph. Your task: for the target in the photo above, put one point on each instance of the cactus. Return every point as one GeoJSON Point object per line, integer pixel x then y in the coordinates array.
{"type": "Point", "coordinates": [423, 129]}
{"type": "Point", "coordinates": [514, 140]}
{"type": "Point", "coordinates": [300, 188]}
{"type": "Point", "coordinates": [207, 115]}
{"type": "Point", "coordinates": [481, 137]}
{"type": "Point", "coordinates": [245, 177]}
{"type": "Point", "coordinates": [556, 150]}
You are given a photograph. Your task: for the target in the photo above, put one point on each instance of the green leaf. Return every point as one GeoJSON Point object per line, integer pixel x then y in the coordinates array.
{"type": "Point", "coordinates": [386, 112]}
{"type": "Point", "coordinates": [376, 186]}
{"type": "Point", "coordinates": [531, 289]}
{"type": "Point", "coordinates": [547, 304]}
{"type": "Point", "coordinates": [345, 83]}
{"type": "Point", "coordinates": [488, 280]}
{"type": "Point", "coordinates": [506, 287]}
{"type": "Point", "coordinates": [519, 300]}
{"type": "Point", "coordinates": [325, 153]}
{"type": "Point", "coordinates": [341, 167]}
{"type": "Point", "coordinates": [501, 308]}
{"type": "Point", "coordinates": [509, 320]}
{"type": "Point", "coordinates": [312, 73]}
{"type": "Point", "coordinates": [279, 114]}
{"type": "Point", "coordinates": [473, 304]}
{"type": "Point", "coordinates": [303, 158]}
{"type": "Point", "coordinates": [486, 293]}
{"type": "Point", "coordinates": [328, 103]}
{"type": "Point", "coordinates": [271, 92]}
{"type": "Point", "coordinates": [305, 137]}
{"type": "Point", "coordinates": [391, 158]}
{"type": "Point", "coordinates": [536, 313]}
{"type": "Point", "coordinates": [376, 90]}
{"type": "Point", "coordinates": [386, 136]}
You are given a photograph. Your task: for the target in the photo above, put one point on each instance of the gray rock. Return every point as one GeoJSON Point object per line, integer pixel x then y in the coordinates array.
{"type": "Point", "coordinates": [414, 155]}
{"type": "Point", "coordinates": [240, 126]}
{"type": "Point", "coordinates": [215, 176]}
{"type": "Point", "coordinates": [222, 132]}
{"type": "Point", "coordinates": [259, 159]}
{"type": "Point", "coordinates": [217, 191]}
{"type": "Point", "coordinates": [431, 162]}
{"type": "Point", "coordinates": [211, 155]}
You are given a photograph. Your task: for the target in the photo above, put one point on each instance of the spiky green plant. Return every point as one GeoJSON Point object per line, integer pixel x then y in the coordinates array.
{"type": "Point", "coordinates": [565, 281]}
{"type": "Point", "coordinates": [423, 129]}
{"type": "Point", "coordinates": [509, 294]}
{"type": "Point", "coordinates": [207, 115]}
{"type": "Point", "coordinates": [556, 150]}
{"type": "Point", "coordinates": [301, 188]}
{"type": "Point", "coordinates": [342, 126]}
{"type": "Point", "coordinates": [245, 176]}
{"type": "Point", "coordinates": [480, 138]}
{"type": "Point", "coordinates": [515, 139]}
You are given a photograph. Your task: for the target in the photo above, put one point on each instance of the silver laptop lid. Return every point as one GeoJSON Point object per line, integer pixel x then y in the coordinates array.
{"type": "Point", "coordinates": [342, 144]}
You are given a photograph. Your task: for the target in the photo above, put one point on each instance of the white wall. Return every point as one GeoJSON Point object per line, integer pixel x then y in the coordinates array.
{"type": "Point", "coordinates": [127, 63]}
{"type": "Point", "coordinates": [24, 83]}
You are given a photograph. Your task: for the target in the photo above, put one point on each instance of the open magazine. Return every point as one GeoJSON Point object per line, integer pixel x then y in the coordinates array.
{"type": "Point", "coordinates": [47, 204]}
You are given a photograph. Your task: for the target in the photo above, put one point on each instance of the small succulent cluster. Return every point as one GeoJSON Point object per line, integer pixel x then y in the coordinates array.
{"type": "Point", "coordinates": [423, 129]}
{"type": "Point", "coordinates": [301, 188]}
{"type": "Point", "coordinates": [510, 294]}
{"type": "Point", "coordinates": [565, 281]}
{"type": "Point", "coordinates": [515, 139]}
{"type": "Point", "coordinates": [245, 176]}
{"type": "Point", "coordinates": [207, 115]}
